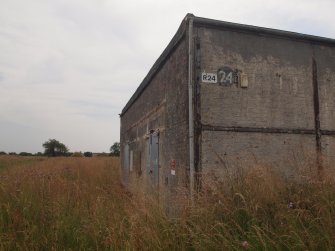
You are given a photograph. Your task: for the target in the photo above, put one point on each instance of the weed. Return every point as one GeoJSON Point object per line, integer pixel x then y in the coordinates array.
{"type": "Point", "coordinates": [79, 204]}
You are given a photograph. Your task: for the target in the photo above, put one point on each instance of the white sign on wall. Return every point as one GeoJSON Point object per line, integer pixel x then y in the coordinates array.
{"type": "Point", "coordinates": [209, 77]}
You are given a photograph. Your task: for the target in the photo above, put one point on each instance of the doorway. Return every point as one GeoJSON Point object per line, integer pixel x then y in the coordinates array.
{"type": "Point", "coordinates": [153, 154]}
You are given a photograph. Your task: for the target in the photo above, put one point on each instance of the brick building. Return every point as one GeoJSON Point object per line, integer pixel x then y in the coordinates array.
{"type": "Point", "coordinates": [224, 93]}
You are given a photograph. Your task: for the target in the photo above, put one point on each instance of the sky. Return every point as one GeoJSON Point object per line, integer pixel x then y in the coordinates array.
{"type": "Point", "coordinates": [68, 67]}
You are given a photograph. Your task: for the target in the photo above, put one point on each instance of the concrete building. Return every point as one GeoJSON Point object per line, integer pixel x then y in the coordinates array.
{"type": "Point", "coordinates": [222, 94]}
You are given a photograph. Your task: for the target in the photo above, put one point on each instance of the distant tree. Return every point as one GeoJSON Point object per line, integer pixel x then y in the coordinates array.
{"type": "Point", "coordinates": [25, 154]}
{"type": "Point", "coordinates": [38, 154]}
{"type": "Point", "coordinates": [3, 153]}
{"type": "Point", "coordinates": [103, 154]}
{"type": "Point", "coordinates": [55, 148]}
{"type": "Point", "coordinates": [88, 154]}
{"type": "Point", "coordinates": [77, 154]}
{"type": "Point", "coordinates": [12, 153]}
{"type": "Point", "coordinates": [115, 149]}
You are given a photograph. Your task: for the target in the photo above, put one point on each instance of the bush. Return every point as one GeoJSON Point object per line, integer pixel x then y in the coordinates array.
{"type": "Point", "coordinates": [103, 154]}
{"type": "Point", "coordinates": [77, 154]}
{"type": "Point", "coordinates": [25, 154]}
{"type": "Point", "coordinates": [88, 154]}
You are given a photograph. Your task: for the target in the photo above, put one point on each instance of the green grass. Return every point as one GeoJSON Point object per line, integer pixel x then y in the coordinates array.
{"type": "Point", "coordinates": [11, 161]}
{"type": "Point", "coordinates": [79, 204]}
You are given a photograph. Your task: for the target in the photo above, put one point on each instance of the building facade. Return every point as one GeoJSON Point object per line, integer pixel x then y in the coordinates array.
{"type": "Point", "coordinates": [224, 94]}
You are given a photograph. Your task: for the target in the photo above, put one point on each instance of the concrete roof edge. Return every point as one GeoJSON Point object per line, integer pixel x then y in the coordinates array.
{"type": "Point", "coordinates": [200, 21]}
{"type": "Point", "coordinates": [159, 62]}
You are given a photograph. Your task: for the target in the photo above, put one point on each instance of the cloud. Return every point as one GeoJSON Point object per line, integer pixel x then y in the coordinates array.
{"type": "Point", "coordinates": [67, 68]}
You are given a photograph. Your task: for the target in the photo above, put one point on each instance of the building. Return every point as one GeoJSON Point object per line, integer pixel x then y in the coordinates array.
{"type": "Point", "coordinates": [222, 94]}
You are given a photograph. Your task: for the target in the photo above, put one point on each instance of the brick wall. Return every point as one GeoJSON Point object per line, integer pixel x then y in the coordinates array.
{"type": "Point", "coordinates": [280, 98]}
{"type": "Point", "coordinates": [162, 106]}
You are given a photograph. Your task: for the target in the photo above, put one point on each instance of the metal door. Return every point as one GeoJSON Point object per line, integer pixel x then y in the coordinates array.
{"type": "Point", "coordinates": [153, 167]}
{"type": "Point", "coordinates": [125, 169]}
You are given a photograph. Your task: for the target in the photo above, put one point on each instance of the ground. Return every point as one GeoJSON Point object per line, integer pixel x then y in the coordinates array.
{"type": "Point", "coordinates": [79, 204]}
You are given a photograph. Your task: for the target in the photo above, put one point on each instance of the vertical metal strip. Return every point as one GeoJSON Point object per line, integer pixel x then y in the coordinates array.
{"type": "Point", "coordinates": [317, 116]}
{"type": "Point", "coordinates": [197, 112]}
{"type": "Point", "coordinates": [190, 103]}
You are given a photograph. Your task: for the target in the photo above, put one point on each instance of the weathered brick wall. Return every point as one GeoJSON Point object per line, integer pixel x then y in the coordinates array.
{"type": "Point", "coordinates": [279, 96]}
{"type": "Point", "coordinates": [280, 92]}
{"type": "Point", "coordinates": [163, 105]}
{"type": "Point", "coordinates": [325, 58]}
{"type": "Point", "coordinates": [271, 122]}
{"type": "Point", "coordinates": [286, 153]}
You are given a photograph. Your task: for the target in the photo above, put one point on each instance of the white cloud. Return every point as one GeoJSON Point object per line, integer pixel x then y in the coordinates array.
{"type": "Point", "coordinates": [67, 68]}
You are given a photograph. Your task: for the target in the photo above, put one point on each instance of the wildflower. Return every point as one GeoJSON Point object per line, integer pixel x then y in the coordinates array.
{"type": "Point", "coordinates": [290, 205]}
{"type": "Point", "coordinates": [245, 244]}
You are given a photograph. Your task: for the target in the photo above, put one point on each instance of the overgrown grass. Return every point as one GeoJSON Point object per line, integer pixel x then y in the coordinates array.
{"type": "Point", "coordinates": [12, 160]}
{"type": "Point", "coordinates": [79, 204]}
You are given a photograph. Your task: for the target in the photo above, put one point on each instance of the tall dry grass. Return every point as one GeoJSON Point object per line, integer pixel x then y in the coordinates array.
{"type": "Point", "coordinates": [12, 160]}
{"type": "Point", "coordinates": [79, 204]}
{"type": "Point", "coordinates": [62, 203]}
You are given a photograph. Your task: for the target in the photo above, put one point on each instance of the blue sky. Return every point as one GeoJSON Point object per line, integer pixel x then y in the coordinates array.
{"type": "Point", "coordinates": [68, 67]}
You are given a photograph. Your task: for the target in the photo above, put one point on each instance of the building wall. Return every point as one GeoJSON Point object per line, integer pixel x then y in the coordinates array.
{"type": "Point", "coordinates": [271, 121]}
{"type": "Point", "coordinates": [163, 107]}
{"type": "Point", "coordinates": [325, 58]}
{"type": "Point", "coordinates": [288, 154]}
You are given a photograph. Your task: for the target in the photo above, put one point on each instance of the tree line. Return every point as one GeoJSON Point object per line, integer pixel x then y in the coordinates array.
{"type": "Point", "coordinates": [54, 148]}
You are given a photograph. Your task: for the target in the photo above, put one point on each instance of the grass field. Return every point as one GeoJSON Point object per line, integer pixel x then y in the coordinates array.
{"type": "Point", "coordinates": [79, 204]}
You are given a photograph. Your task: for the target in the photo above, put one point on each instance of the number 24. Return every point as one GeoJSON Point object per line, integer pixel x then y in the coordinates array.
{"type": "Point", "coordinates": [224, 77]}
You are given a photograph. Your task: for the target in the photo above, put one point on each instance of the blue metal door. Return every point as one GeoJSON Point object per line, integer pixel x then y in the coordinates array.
{"type": "Point", "coordinates": [125, 169]}
{"type": "Point", "coordinates": [153, 167]}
